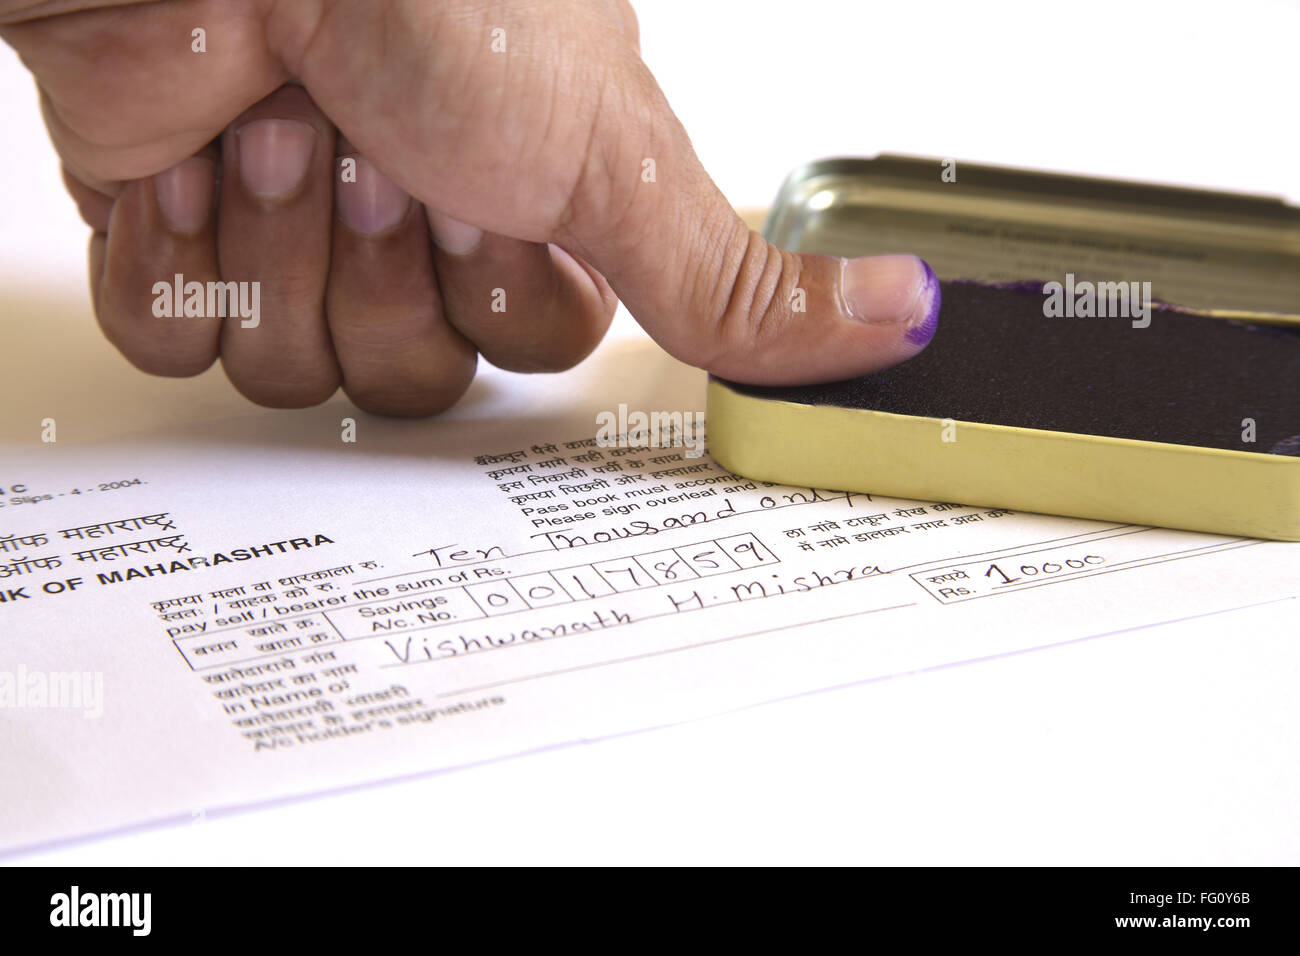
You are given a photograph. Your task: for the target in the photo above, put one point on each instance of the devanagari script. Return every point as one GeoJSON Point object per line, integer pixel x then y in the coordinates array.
{"type": "Point", "coordinates": [268, 603]}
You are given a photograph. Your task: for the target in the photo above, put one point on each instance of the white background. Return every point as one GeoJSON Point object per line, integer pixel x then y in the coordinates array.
{"type": "Point", "coordinates": [1131, 749]}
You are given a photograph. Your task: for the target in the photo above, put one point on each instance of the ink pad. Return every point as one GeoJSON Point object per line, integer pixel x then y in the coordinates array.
{"type": "Point", "coordinates": [1187, 417]}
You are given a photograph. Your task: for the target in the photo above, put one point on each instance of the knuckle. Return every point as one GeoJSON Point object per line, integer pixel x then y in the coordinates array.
{"type": "Point", "coordinates": [603, 203]}
{"type": "Point", "coordinates": [556, 346]}
{"type": "Point", "coordinates": [289, 389]}
{"type": "Point", "coordinates": [157, 347]}
{"type": "Point", "coordinates": [540, 360]}
{"type": "Point", "coordinates": [169, 363]}
{"type": "Point", "coordinates": [748, 298]}
{"type": "Point", "coordinates": [407, 401]}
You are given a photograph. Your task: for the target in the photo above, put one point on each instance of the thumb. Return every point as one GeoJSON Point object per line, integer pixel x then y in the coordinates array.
{"type": "Point", "coordinates": [714, 293]}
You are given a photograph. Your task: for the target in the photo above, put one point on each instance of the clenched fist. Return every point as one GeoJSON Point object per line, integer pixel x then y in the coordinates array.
{"type": "Point", "coordinates": [412, 183]}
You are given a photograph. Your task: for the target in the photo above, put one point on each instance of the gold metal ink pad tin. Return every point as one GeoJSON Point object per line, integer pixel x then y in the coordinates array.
{"type": "Point", "coordinates": [1190, 422]}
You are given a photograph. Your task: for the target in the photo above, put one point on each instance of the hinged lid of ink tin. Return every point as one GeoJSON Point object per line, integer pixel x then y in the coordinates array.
{"type": "Point", "coordinates": [1186, 417]}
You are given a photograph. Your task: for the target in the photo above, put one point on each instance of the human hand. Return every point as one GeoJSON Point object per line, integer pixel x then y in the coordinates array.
{"type": "Point", "coordinates": [529, 140]}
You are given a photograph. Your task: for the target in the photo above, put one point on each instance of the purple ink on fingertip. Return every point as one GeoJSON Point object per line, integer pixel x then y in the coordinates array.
{"type": "Point", "coordinates": [921, 333]}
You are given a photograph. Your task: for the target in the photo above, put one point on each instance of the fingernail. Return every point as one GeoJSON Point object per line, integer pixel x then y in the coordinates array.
{"type": "Point", "coordinates": [889, 290]}
{"type": "Point", "coordinates": [372, 203]}
{"type": "Point", "coordinates": [184, 194]}
{"type": "Point", "coordinates": [273, 155]}
{"type": "Point", "coordinates": [452, 235]}
{"type": "Point", "coordinates": [923, 331]}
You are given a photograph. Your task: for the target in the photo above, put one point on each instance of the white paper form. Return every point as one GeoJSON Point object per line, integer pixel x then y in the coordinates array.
{"type": "Point", "coordinates": [264, 609]}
